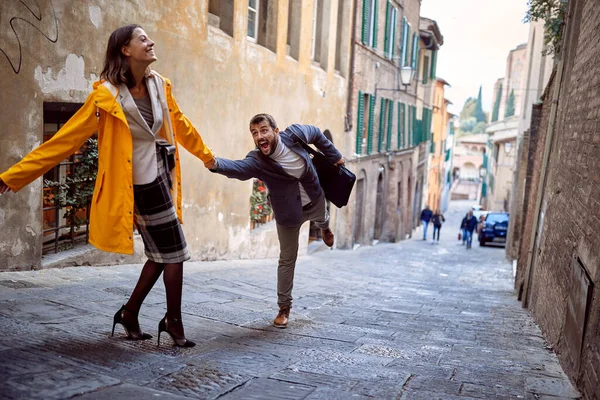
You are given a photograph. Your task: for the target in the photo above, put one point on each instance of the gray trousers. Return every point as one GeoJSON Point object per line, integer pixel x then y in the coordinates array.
{"type": "Point", "coordinates": [288, 245]}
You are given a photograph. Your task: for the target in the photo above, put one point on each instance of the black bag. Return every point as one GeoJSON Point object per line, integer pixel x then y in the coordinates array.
{"type": "Point", "coordinates": [337, 181]}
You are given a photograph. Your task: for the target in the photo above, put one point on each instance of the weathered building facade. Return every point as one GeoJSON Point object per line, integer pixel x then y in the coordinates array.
{"type": "Point", "coordinates": [558, 262]}
{"type": "Point", "coordinates": [387, 122]}
{"type": "Point", "coordinates": [439, 137]}
{"type": "Point", "coordinates": [228, 60]}
{"type": "Point", "coordinates": [508, 103]}
{"type": "Point", "coordinates": [502, 150]}
{"type": "Point", "coordinates": [539, 69]}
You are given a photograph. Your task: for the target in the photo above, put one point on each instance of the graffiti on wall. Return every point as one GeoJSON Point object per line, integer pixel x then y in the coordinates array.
{"type": "Point", "coordinates": [34, 18]}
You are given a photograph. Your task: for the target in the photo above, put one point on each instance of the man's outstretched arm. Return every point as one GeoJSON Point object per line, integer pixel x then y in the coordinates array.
{"type": "Point", "coordinates": [235, 169]}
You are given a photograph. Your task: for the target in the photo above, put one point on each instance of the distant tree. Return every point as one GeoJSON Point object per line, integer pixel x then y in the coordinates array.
{"type": "Point", "coordinates": [468, 109]}
{"type": "Point", "coordinates": [510, 105]}
{"type": "Point", "coordinates": [479, 128]}
{"type": "Point", "coordinates": [496, 109]}
{"type": "Point", "coordinates": [467, 125]}
{"type": "Point", "coordinates": [478, 113]}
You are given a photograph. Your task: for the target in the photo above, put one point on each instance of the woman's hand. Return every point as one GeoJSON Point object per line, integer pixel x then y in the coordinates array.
{"type": "Point", "coordinates": [3, 187]}
{"type": "Point", "coordinates": [210, 164]}
{"type": "Point", "coordinates": [341, 161]}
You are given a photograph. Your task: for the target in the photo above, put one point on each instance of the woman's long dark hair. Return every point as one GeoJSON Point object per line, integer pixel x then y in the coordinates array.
{"type": "Point", "coordinates": [116, 67]}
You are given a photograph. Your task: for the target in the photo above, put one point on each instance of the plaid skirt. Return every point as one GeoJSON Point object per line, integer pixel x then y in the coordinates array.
{"type": "Point", "coordinates": [156, 219]}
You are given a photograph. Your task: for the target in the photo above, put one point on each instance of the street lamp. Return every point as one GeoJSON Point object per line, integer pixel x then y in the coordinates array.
{"type": "Point", "coordinates": [406, 75]}
{"type": "Point", "coordinates": [482, 172]}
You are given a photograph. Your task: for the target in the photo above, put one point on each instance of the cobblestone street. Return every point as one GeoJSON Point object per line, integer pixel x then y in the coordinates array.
{"type": "Point", "coordinates": [411, 320]}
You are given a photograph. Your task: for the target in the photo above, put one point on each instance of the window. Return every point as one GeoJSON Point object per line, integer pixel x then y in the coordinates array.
{"type": "Point", "coordinates": [401, 125]}
{"type": "Point", "coordinates": [221, 15]}
{"type": "Point", "coordinates": [386, 118]}
{"type": "Point", "coordinates": [405, 35]}
{"type": "Point", "coordinates": [364, 125]}
{"type": "Point", "coordinates": [425, 70]}
{"type": "Point", "coordinates": [293, 37]}
{"type": "Point", "coordinates": [370, 20]}
{"type": "Point", "coordinates": [320, 39]}
{"type": "Point", "coordinates": [382, 125]}
{"type": "Point", "coordinates": [343, 31]}
{"type": "Point", "coordinates": [253, 19]}
{"type": "Point", "coordinates": [372, 101]}
{"type": "Point", "coordinates": [67, 187]}
{"type": "Point", "coordinates": [391, 16]}
{"type": "Point", "coordinates": [433, 64]}
{"type": "Point", "coordinates": [266, 25]}
{"type": "Point", "coordinates": [360, 123]}
{"type": "Point", "coordinates": [415, 50]}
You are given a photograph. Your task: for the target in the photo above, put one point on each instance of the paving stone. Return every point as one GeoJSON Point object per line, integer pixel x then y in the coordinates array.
{"type": "Point", "coordinates": [262, 388]}
{"type": "Point", "coordinates": [551, 386]}
{"type": "Point", "coordinates": [317, 380]}
{"type": "Point", "coordinates": [322, 393]}
{"type": "Point", "coordinates": [409, 394]}
{"type": "Point", "coordinates": [130, 392]}
{"type": "Point", "coordinates": [57, 384]}
{"type": "Point", "coordinates": [200, 382]}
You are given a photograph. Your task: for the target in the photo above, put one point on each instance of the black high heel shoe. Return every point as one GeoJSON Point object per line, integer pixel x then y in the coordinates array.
{"type": "Point", "coordinates": [163, 327]}
{"type": "Point", "coordinates": [118, 319]}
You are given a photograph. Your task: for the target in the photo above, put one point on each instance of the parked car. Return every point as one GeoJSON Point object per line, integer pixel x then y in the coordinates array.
{"type": "Point", "coordinates": [494, 228]}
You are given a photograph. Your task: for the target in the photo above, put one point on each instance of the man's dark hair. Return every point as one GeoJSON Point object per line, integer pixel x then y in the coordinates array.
{"type": "Point", "coordinates": [258, 118]}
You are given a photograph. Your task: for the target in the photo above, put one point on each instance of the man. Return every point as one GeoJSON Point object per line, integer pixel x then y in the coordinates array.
{"type": "Point", "coordinates": [294, 190]}
{"type": "Point", "coordinates": [470, 224]}
{"type": "Point", "coordinates": [426, 215]}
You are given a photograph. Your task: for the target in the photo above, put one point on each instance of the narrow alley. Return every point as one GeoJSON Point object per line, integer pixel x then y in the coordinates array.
{"type": "Point", "coordinates": [410, 320]}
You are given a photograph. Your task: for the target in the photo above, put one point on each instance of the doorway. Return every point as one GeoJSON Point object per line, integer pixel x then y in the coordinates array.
{"type": "Point", "coordinates": [359, 211]}
{"type": "Point", "coordinates": [379, 208]}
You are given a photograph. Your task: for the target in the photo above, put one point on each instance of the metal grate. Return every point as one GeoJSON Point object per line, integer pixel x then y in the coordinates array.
{"type": "Point", "coordinates": [58, 233]}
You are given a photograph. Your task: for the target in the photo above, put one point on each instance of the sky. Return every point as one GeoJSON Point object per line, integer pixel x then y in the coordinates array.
{"type": "Point", "coordinates": [478, 34]}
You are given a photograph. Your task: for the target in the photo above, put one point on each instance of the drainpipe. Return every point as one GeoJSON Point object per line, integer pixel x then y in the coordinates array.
{"type": "Point", "coordinates": [351, 71]}
{"type": "Point", "coordinates": [529, 268]}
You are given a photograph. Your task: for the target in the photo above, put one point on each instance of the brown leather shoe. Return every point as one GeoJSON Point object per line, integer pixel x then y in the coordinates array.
{"type": "Point", "coordinates": [281, 320]}
{"type": "Point", "coordinates": [327, 237]}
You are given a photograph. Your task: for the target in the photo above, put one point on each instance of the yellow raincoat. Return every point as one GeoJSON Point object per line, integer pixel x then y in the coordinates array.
{"type": "Point", "coordinates": [111, 214]}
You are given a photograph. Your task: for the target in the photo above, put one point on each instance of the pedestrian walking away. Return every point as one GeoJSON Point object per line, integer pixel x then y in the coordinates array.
{"type": "Point", "coordinates": [437, 220]}
{"type": "Point", "coordinates": [470, 224]}
{"type": "Point", "coordinates": [463, 229]}
{"type": "Point", "coordinates": [138, 121]}
{"type": "Point", "coordinates": [426, 215]}
{"type": "Point", "coordinates": [280, 161]}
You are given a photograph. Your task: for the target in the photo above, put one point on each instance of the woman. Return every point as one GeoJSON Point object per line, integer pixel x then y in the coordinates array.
{"type": "Point", "coordinates": [437, 220]}
{"type": "Point", "coordinates": [139, 124]}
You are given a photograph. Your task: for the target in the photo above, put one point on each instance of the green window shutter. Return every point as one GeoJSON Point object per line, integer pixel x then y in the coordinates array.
{"type": "Point", "coordinates": [415, 50]}
{"type": "Point", "coordinates": [411, 135]}
{"type": "Point", "coordinates": [405, 36]}
{"type": "Point", "coordinates": [394, 24]}
{"type": "Point", "coordinates": [386, 38]}
{"type": "Point", "coordinates": [388, 141]}
{"type": "Point", "coordinates": [401, 125]}
{"type": "Point", "coordinates": [360, 122]}
{"type": "Point", "coordinates": [375, 23]}
{"type": "Point", "coordinates": [433, 63]}
{"type": "Point", "coordinates": [381, 126]}
{"type": "Point", "coordinates": [371, 121]}
{"type": "Point", "coordinates": [365, 21]}
{"type": "Point", "coordinates": [426, 71]}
